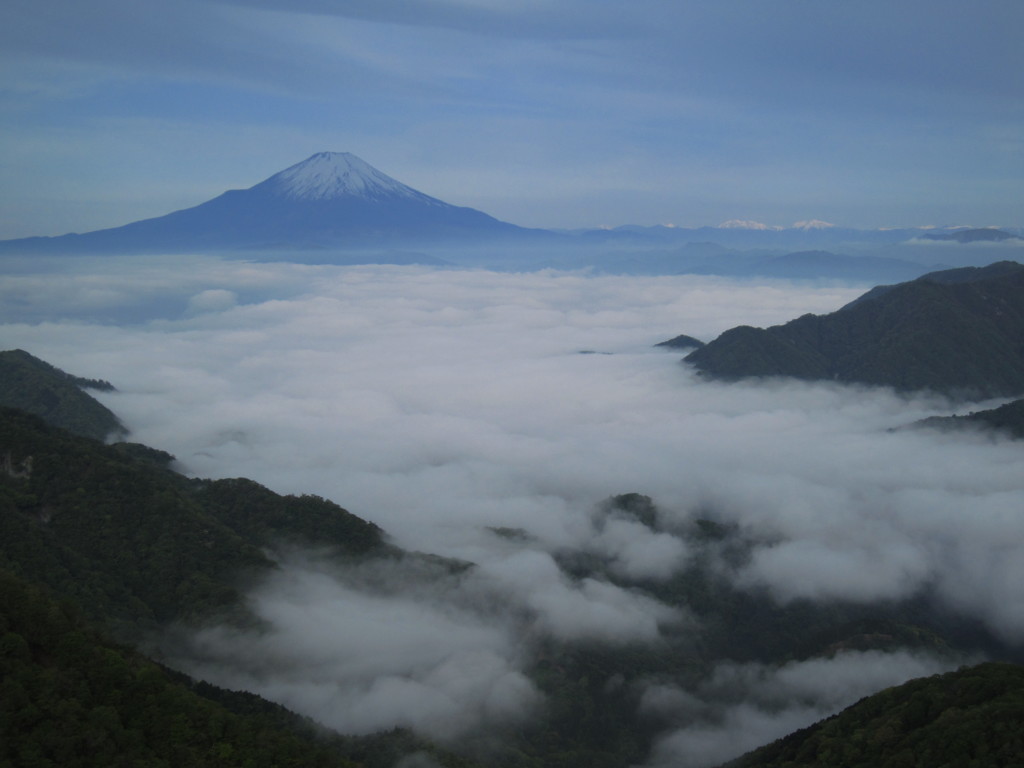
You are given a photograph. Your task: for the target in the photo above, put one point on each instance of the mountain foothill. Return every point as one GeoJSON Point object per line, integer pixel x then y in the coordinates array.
{"type": "Point", "coordinates": [104, 545]}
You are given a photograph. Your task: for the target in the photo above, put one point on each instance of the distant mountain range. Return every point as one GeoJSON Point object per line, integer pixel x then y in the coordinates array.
{"type": "Point", "coordinates": [987, 234]}
{"type": "Point", "coordinates": [959, 332]}
{"type": "Point", "coordinates": [798, 237]}
{"type": "Point", "coordinates": [805, 265]}
{"type": "Point", "coordinates": [335, 208]}
{"type": "Point", "coordinates": [329, 200]}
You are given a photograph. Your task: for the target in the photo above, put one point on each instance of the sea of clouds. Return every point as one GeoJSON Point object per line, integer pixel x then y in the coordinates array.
{"type": "Point", "coordinates": [442, 404]}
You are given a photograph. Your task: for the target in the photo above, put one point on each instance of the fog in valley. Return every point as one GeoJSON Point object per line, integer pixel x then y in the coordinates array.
{"type": "Point", "coordinates": [486, 417]}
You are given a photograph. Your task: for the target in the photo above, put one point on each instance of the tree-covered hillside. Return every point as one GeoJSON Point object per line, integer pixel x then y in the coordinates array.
{"type": "Point", "coordinates": [969, 718]}
{"type": "Point", "coordinates": [1007, 419]}
{"type": "Point", "coordinates": [128, 546]}
{"type": "Point", "coordinates": [960, 334]}
{"type": "Point", "coordinates": [69, 697]}
{"type": "Point", "coordinates": [137, 544]}
{"type": "Point", "coordinates": [28, 383]}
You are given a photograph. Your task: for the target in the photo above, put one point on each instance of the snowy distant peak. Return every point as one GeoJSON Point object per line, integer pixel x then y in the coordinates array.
{"type": "Point", "coordinates": [813, 224]}
{"type": "Point", "coordinates": [758, 226]}
{"type": "Point", "coordinates": [331, 175]}
{"type": "Point", "coordinates": [746, 224]}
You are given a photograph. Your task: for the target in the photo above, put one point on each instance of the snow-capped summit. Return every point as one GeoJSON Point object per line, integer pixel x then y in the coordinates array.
{"type": "Point", "coordinates": [332, 200]}
{"type": "Point", "coordinates": [813, 224]}
{"type": "Point", "coordinates": [747, 224]}
{"type": "Point", "coordinates": [331, 175]}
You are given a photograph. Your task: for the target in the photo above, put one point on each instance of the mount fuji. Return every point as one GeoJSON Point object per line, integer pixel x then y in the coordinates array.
{"type": "Point", "coordinates": [329, 200]}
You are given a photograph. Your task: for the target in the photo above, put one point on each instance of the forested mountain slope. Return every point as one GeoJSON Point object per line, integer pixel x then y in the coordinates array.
{"type": "Point", "coordinates": [28, 383]}
{"type": "Point", "coordinates": [130, 546]}
{"type": "Point", "coordinates": [971, 717]}
{"type": "Point", "coordinates": [960, 334]}
{"type": "Point", "coordinates": [137, 544]}
{"type": "Point", "coordinates": [1007, 419]}
{"type": "Point", "coordinates": [69, 697]}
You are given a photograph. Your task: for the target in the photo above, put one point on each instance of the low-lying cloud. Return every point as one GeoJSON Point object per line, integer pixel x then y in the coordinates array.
{"type": "Point", "coordinates": [362, 660]}
{"type": "Point", "coordinates": [455, 409]}
{"type": "Point", "coordinates": [411, 643]}
{"type": "Point", "coordinates": [743, 706]}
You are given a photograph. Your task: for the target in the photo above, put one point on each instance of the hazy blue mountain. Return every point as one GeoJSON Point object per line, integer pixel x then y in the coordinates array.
{"type": "Point", "coordinates": [809, 265]}
{"type": "Point", "coordinates": [960, 333]}
{"type": "Point", "coordinates": [682, 341]}
{"type": "Point", "coordinates": [334, 208]}
{"type": "Point", "coordinates": [867, 255]}
{"type": "Point", "coordinates": [332, 199]}
{"type": "Point", "coordinates": [806, 237]}
{"type": "Point", "coordinates": [642, 257]}
{"type": "Point", "coordinates": [987, 234]}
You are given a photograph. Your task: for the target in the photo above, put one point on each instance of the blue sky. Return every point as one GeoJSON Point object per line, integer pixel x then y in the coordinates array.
{"type": "Point", "coordinates": [545, 113]}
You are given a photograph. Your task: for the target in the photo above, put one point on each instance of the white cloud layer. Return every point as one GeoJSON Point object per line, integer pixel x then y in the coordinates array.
{"type": "Point", "coordinates": [362, 662]}
{"type": "Point", "coordinates": [441, 404]}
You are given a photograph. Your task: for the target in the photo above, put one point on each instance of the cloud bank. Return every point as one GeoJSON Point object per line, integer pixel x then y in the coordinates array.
{"type": "Point", "coordinates": [455, 409]}
{"type": "Point", "coordinates": [362, 661]}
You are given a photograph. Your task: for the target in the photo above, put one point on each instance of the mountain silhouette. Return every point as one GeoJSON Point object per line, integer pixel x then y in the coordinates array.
{"type": "Point", "coordinates": [329, 200]}
{"type": "Point", "coordinates": [958, 332]}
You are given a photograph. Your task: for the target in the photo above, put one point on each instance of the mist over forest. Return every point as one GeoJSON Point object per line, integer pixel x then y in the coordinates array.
{"type": "Point", "coordinates": [488, 384]}
{"type": "Point", "coordinates": [487, 418]}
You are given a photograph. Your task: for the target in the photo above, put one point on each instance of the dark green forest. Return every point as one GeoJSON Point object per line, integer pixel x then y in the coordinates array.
{"type": "Point", "coordinates": [35, 386]}
{"type": "Point", "coordinates": [135, 543]}
{"type": "Point", "coordinates": [71, 697]}
{"type": "Point", "coordinates": [971, 717]}
{"type": "Point", "coordinates": [68, 697]}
